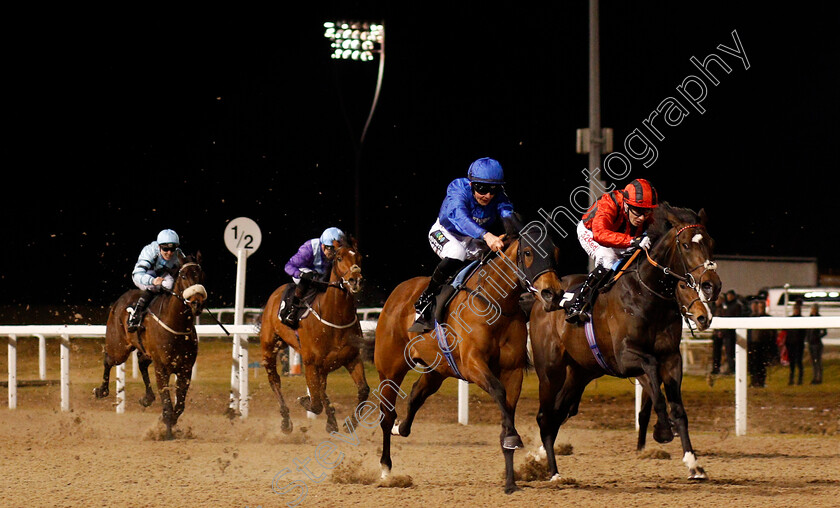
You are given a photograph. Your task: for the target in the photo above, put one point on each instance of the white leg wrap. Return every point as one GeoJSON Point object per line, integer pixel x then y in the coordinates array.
{"type": "Point", "coordinates": [385, 472]}
{"type": "Point", "coordinates": [690, 460]}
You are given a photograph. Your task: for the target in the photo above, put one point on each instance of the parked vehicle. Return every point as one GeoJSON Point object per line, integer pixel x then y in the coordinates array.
{"type": "Point", "coordinates": [780, 300]}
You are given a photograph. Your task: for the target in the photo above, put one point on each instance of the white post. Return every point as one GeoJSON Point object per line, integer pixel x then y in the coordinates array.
{"type": "Point", "coordinates": [121, 388]}
{"type": "Point", "coordinates": [194, 373]}
{"type": "Point", "coordinates": [240, 382]}
{"type": "Point", "coordinates": [463, 402]}
{"type": "Point", "coordinates": [741, 382]}
{"type": "Point", "coordinates": [42, 357]}
{"type": "Point", "coordinates": [65, 372]}
{"type": "Point", "coordinates": [12, 371]}
{"type": "Point", "coordinates": [638, 400]}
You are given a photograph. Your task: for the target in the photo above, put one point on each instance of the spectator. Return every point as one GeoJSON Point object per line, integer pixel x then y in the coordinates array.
{"type": "Point", "coordinates": [761, 346]}
{"type": "Point", "coordinates": [795, 345]}
{"type": "Point", "coordinates": [815, 346]}
{"type": "Point", "coordinates": [724, 340]}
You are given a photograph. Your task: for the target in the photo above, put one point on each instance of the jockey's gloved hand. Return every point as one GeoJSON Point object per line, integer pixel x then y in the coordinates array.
{"type": "Point", "coordinates": [307, 275]}
{"type": "Point", "coordinates": [641, 242]}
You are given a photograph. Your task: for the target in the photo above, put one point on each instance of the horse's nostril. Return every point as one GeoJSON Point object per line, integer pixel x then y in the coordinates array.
{"type": "Point", "coordinates": [701, 319]}
{"type": "Point", "coordinates": [547, 295]}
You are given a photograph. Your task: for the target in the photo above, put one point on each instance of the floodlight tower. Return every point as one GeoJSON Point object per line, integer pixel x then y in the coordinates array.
{"type": "Point", "coordinates": [359, 41]}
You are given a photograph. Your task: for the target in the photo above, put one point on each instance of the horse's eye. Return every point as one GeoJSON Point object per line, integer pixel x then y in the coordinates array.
{"type": "Point", "coordinates": [528, 253]}
{"type": "Point", "coordinates": [338, 259]}
{"type": "Point", "coordinates": [685, 246]}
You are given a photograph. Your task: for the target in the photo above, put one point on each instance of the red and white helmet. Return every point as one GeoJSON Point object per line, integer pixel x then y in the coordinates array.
{"type": "Point", "coordinates": [641, 194]}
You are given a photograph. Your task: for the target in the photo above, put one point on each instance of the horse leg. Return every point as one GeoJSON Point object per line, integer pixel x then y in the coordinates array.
{"type": "Point", "coordinates": [270, 364]}
{"type": "Point", "coordinates": [566, 405]}
{"type": "Point", "coordinates": [425, 386]}
{"type": "Point", "coordinates": [644, 420]}
{"type": "Point", "coordinates": [166, 400]}
{"type": "Point", "coordinates": [673, 383]}
{"type": "Point", "coordinates": [356, 368]}
{"type": "Point", "coordinates": [386, 392]}
{"type": "Point", "coordinates": [547, 417]}
{"type": "Point", "coordinates": [512, 381]}
{"type": "Point", "coordinates": [316, 382]}
{"type": "Point", "coordinates": [143, 363]}
{"type": "Point", "coordinates": [100, 392]}
{"type": "Point", "coordinates": [182, 386]}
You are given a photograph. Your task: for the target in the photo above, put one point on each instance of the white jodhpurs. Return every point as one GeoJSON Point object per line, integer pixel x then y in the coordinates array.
{"type": "Point", "coordinates": [608, 257]}
{"type": "Point", "coordinates": [447, 244]}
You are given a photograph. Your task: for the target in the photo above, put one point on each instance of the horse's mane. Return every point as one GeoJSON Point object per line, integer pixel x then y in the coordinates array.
{"type": "Point", "coordinates": [662, 217]}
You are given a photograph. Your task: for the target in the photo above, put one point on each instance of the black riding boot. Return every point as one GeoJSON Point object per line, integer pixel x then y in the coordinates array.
{"type": "Point", "coordinates": [445, 270]}
{"type": "Point", "coordinates": [292, 318]}
{"type": "Point", "coordinates": [581, 308]}
{"type": "Point", "coordinates": [136, 316]}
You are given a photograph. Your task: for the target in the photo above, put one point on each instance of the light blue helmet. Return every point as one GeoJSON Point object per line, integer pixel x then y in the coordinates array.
{"type": "Point", "coordinates": [331, 234]}
{"type": "Point", "coordinates": [168, 236]}
{"type": "Point", "coordinates": [486, 170]}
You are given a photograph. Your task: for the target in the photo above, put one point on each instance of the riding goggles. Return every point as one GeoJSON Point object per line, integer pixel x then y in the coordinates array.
{"type": "Point", "coordinates": [485, 188]}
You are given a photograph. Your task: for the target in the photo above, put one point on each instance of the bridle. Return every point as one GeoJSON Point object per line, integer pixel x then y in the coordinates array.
{"type": "Point", "coordinates": [184, 298]}
{"type": "Point", "coordinates": [687, 278]}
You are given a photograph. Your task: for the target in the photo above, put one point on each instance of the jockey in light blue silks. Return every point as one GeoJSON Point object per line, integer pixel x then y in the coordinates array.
{"type": "Point", "coordinates": [312, 262]}
{"type": "Point", "coordinates": [155, 270]}
{"type": "Point", "coordinates": [472, 206]}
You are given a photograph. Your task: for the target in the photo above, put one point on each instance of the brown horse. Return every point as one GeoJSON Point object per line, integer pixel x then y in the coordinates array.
{"type": "Point", "coordinates": [637, 330]}
{"type": "Point", "coordinates": [327, 338]}
{"type": "Point", "coordinates": [167, 338]}
{"type": "Point", "coordinates": [485, 331]}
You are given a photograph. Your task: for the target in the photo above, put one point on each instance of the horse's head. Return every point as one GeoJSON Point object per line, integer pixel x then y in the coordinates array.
{"type": "Point", "coordinates": [687, 250]}
{"type": "Point", "coordinates": [189, 283]}
{"type": "Point", "coordinates": [346, 268]}
{"type": "Point", "coordinates": [536, 258]}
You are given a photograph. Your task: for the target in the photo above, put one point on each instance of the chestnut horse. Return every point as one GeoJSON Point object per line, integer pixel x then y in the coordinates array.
{"type": "Point", "coordinates": [485, 331]}
{"type": "Point", "coordinates": [167, 338]}
{"type": "Point", "coordinates": [327, 338]}
{"type": "Point", "coordinates": [637, 328]}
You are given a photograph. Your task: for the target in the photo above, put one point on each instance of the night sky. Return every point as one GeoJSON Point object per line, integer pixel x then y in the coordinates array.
{"type": "Point", "coordinates": [135, 123]}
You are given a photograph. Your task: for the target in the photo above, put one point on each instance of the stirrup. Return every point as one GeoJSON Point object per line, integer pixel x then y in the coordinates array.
{"type": "Point", "coordinates": [424, 322]}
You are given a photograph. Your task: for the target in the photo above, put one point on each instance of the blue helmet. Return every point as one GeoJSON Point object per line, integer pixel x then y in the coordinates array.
{"type": "Point", "coordinates": [331, 234]}
{"type": "Point", "coordinates": [168, 236]}
{"type": "Point", "coordinates": [486, 170]}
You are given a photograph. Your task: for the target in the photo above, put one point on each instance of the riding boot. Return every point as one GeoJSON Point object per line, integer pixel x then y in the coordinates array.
{"type": "Point", "coordinates": [580, 309]}
{"type": "Point", "coordinates": [445, 270]}
{"type": "Point", "coordinates": [136, 316]}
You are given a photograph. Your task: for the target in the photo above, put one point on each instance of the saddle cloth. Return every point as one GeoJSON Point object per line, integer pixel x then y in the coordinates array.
{"type": "Point", "coordinates": [288, 295]}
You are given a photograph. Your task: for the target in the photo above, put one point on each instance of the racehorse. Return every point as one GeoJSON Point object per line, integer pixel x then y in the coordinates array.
{"type": "Point", "coordinates": [327, 338]}
{"type": "Point", "coordinates": [636, 330]}
{"type": "Point", "coordinates": [485, 334]}
{"type": "Point", "coordinates": [167, 338]}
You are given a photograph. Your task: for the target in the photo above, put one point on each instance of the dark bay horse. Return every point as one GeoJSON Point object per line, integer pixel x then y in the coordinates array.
{"type": "Point", "coordinates": [637, 328]}
{"type": "Point", "coordinates": [485, 331]}
{"type": "Point", "coordinates": [327, 338]}
{"type": "Point", "coordinates": [167, 338]}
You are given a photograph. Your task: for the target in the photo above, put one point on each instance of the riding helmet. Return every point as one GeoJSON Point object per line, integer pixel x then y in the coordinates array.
{"type": "Point", "coordinates": [168, 236]}
{"type": "Point", "coordinates": [330, 235]}
{"type": "Point", "coordinates": [640, 193]}
{"type": "Point", "coordinates": [486, 170]}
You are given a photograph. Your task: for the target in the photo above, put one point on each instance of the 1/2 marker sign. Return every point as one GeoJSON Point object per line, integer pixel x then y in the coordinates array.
{"type": "Point", "coordinates": [242, 233]}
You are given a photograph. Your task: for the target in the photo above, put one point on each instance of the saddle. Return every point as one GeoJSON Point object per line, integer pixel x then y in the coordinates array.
{"type": "Point", "coordinates": [289, 294]}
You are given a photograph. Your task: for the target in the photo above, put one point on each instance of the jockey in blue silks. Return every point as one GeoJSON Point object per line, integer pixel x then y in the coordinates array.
{"type": "Point", "coordinates": [155, 270]}
{"type": "Point", "coordinates": [472, 206]}
{"type": "Point", "coordinates": [313, 261]}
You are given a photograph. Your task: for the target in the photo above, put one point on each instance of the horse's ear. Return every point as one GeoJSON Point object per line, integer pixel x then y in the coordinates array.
{"type": "Point", "coordinates": [702, 216]}
{"type": "Point", "coordinates": [198, 257]}
{"type": "Point", "coordinates": [513, 225]}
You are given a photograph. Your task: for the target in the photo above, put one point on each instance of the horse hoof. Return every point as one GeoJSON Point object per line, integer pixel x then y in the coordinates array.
{"type": "Point", "coordinates": [100, 393]}
{"type": "Point", "coordinates": [286, 427]}
{"type": "Point", "coordinates": [556, 478]}
{"type": "Point", "coordinates": [663, 436]}
{"type": "Point", "coordinates": [147, 401]}
{"type": "Point", "coordinates": [512, 442]}
{"type": "Point", "coordinates": [510, 489]}
{"type": "Point", "coordinates": [385, 472]}
{"type": "Point", "coordinates": [304, 402]}
{"type": "Point", "coordinates": [697, 474]}
{"type": "Point", "coordinates": [332, 428]}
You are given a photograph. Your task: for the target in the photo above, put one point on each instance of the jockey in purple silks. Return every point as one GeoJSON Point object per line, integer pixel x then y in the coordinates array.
{"type": "Point", "coordinates": [312, 262]}
{"type": "Point", "coordinates": [471, 207]}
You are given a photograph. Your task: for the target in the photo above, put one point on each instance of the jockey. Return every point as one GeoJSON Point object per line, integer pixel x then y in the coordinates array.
{"type": "Point", "coordinates": [155, 270]}
{"type": "Point", "coordinates": [472, 205]}
{"type": "Point", "coordinates": [313, 260]}
{"type": "Point", "coordinates": [613, 226]}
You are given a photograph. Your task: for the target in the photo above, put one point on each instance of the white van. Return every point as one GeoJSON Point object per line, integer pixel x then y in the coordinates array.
{"type": "Point", "coordinates": [780, 300]}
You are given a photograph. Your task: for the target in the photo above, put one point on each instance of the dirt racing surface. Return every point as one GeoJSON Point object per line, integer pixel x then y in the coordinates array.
{"type": "Point", "coordinates": [92, 456]}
